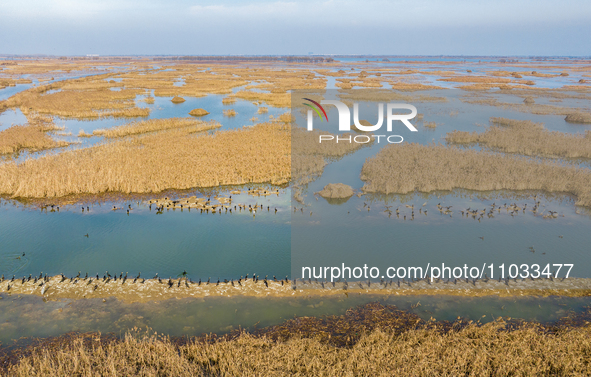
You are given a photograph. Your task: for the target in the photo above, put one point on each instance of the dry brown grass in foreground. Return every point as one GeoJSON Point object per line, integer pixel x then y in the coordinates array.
{"type": "Point", "coordinates": [371, 341]}
{"type": "Point", "coordinates": [527, 138]}
{"type": "Point", "coordinates": [152, 125]}
{"type": "Point", "coordinates": [412, 167]}
{"type": "Point", "coordinates": [175, 159]}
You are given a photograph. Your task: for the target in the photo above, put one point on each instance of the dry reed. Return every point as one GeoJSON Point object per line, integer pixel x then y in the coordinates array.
{"type": "Point", "coordinates": [32, 137]}
{"type": "Point", "coordinates": [526, 138]}
{"type": "Point", "coordinates": [532, 108]}
{"type": "Point", "coordinates": [412, 167]}
{"type": "Point", "coordinates": [229, 113]}
{"type": "Point", "coordinates": [430, 124]}
{"type": "Point", "coordinates": [152, 125]}
{"type": "Point", "coordinates": [371, 341]}
{"type": "Point", "coordinates": [174, 159]}
{"type": "Point", "coordinates": [198, 112]}
{"type": "Point", "coordinates": [177, 99]}
{"type": "Point", "coordinates": [78, 103]}
{"type": "Point", "coordinates": [578, 118]}
{"type": "Point", "coordinates": [272, 99]}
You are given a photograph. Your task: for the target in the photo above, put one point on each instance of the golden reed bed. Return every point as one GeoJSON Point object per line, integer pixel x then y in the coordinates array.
{"type": "Point", "coordinates": [152, 125]}
{"type": "Point", "coordinates": [32, 136]}
{"type": "Point", "coordinates": [371, 340]}
{"type": "Point", "coordinates": [413, 167]}
{"type": "Point", "coordinates": [527, 138]}
{"type": "Point", "coordinates": [175, 159]}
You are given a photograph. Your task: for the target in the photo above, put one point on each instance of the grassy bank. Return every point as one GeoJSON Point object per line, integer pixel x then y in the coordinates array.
{"type": "Point", "coordinates": [369, 340]}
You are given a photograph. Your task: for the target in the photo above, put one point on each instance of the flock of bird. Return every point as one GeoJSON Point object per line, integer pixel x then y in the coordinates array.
{"type": "Point", "coordinates": [186, 282]}
{"type": "Point", "coordinates": [223, 205]}
{"type": "Point", "coordinates": [43, 280]}
{"type": "Point", "coordinates": [490, 211]}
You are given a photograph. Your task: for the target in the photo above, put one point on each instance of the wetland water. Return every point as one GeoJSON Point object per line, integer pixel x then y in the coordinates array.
{"type": "Point", "coordinates": [227, 246]}
{"type": "Point", "coordinates": [30, 316]}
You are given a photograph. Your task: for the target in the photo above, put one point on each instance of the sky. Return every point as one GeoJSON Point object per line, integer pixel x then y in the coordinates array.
{"type": "Point", "coordinates": [399, 27]}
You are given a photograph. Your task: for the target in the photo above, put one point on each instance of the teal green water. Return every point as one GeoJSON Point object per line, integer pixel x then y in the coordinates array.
{"type": "Point", "coordinates": [204, 245]}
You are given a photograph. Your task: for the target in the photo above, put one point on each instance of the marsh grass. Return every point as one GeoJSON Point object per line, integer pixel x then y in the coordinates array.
{"type": "Point", "coordinates": [84, 98]}
{"type": "Point", "coordinates": [431, 125]}
{"type": "Point", "coordinates": [531, 108]}
{"type": "Point", "coordinates": [153, 125]}
{"type": "Point", "coordinates": [282, 99]}
{"type": "Point", "coordinates": [85, 104]}
{"type": "Point", "coordinates": [578, 118]}
{"type": "Point", "coordinates": [174, 159]}
{"type": "Point", "coordinates": [229, 112]}
{"type": "Point", "coordinates": [198, 112]}
{"type": "Point", "coordinates": [32, 137]}
{"type": "Point", "coordinates": [526, 138]}
{"type": "Point", "coordinates": [401, 169]}
{"type": "Point", "coordinates": [371, 340]}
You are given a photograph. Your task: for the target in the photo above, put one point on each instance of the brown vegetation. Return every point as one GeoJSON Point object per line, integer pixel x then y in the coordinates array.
{"type": "Point", "coordinates": [430, 124]}
{"type": "Point", "coordinates": [229, 112]}
{"type": "Point", "coordinates": [151, 163]}
{"type": "Point", "coordinates": [371, 340]}
{"type": "Point", "coordinates": [198, 112]}
{"type": "Point", "coordinates": [86, 98]}
{"type": "Point", "coordinates": [412, 167]}
{"type": "Point", "coordinates": [578, 118]}
{"type": "Point", "coordinates": [336, 191]}
{"type": "Point", "coordinates": [532, 108]}
{"type": "Point", "coordinates": [177, 99]}
{"type": "Point", "coordinates": [527, 138]}
{"type": "Point", "coordinates": [272, 99]}
{"type": "Point", "coordinates": [32, 136]}
{"type": "Point", "coordinates": [152, 125]}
